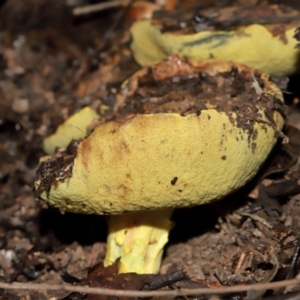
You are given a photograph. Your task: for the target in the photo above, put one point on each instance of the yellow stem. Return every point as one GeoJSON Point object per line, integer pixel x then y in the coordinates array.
{"type": "Point", "coordinates": [138, 239]}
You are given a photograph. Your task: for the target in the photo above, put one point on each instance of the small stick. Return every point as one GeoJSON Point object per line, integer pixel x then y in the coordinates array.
{"type": "Point", "coordinates": [87, 9]}
{"type": "Point", "coordinates": [291, 272]}
{"type": "Point", "coordinates": [132, 293]}
{"type": "Point", "coordinates": [165, 281]}
{"type": "Point", "coordinates": [240, 262]}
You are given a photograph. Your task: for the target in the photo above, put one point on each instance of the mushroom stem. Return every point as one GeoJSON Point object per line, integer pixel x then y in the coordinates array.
{"type": "Point", "coordinates": [138, 239]}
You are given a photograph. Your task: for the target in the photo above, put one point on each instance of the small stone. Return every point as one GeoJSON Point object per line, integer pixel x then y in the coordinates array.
{"type": "Point", "coordinates": [20, 106]}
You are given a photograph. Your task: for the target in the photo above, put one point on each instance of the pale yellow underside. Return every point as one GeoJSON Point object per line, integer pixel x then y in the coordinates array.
{"type": "Point", "coordinates": [75, 127]}
{"type": "Point", "coordinates": [161, 160]}
{"type": "Point", "coordinates": [253, 45]}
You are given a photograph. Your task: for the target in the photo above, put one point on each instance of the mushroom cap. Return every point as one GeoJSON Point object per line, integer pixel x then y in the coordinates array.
{"type": "Point", "coordinates": [166, 159]}
{"type": "Point", "coordinates": [247, 45]}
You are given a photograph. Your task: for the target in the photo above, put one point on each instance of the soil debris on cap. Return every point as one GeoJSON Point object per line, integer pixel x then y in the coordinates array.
{"type": "Point", "coordinates": [231, 92]}
{"type": "Point", "coordinates": [57, 168]}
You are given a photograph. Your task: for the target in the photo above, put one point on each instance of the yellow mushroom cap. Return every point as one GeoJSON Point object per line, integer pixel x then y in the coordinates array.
{"type": "Point", "coordinates": [254, 45]}
{"type": "Point", "coordinates": [225, 126]}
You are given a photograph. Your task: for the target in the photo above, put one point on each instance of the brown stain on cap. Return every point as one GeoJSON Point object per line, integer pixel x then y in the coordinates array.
{"type": "Point", "coordinates": [84, 151]}
{"type": "Point", "coordinates": [124, 190]}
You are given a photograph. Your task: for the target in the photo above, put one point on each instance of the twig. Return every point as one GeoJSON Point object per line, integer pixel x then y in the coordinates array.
{"type": "Point", "coordinates": [291, 272]}
{"type": "Point", "coordinates": [131, 293]}
{"type": "Point", "coordinates": [83, 10]}
{"type": "Point", "coordinates": [240, 262]}
{"type": "Point", "coordinates": [259, 219]}
{"type": "Point", "coordinates": [165, 281]}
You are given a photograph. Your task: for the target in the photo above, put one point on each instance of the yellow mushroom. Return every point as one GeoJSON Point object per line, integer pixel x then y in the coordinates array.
{"type": "Point", "coordinates": [174, 142]}
{"type": "Point", "coordinates": [73, 128]}
{"type": "Point", "coordinates": [253, 45]}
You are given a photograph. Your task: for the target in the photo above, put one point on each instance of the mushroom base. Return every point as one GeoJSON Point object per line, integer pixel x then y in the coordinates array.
{"type": "Point", "coordinates": [138, 239]}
